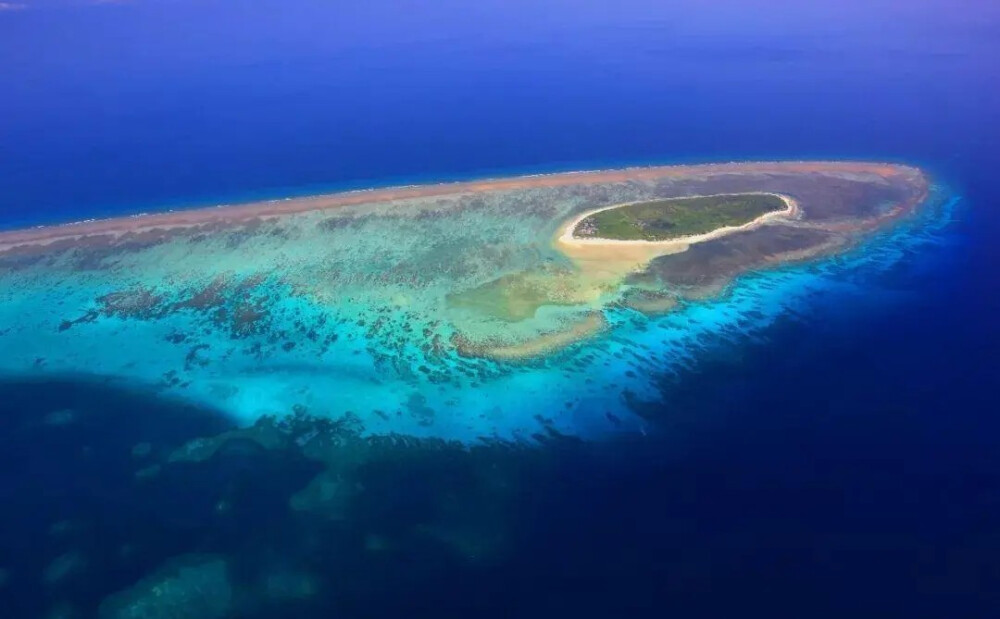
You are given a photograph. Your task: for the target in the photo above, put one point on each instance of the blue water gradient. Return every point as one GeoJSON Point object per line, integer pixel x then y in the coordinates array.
{"type": "Point", "coordinates": [821, 441]}
{"type": "Point", "coordinates": [136, 112]}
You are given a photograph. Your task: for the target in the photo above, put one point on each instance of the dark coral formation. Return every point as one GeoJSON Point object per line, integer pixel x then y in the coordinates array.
{"type": "Point", "coordinates": [138, 302]}
{"type": "Point", "coordinates": [717, 261]}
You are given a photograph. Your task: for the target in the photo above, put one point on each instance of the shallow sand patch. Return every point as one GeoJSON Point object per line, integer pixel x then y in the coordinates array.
{"type": "Point", "coordinates": [592, 324]}
{"type": "Point", "coordinates": [518, 296]}
{"type": "Point", "coordinates": [649, 302]}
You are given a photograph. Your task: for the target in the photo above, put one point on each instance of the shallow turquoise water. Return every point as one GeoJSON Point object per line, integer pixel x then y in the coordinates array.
{"type": "Point", "coordinates": [592, 389]}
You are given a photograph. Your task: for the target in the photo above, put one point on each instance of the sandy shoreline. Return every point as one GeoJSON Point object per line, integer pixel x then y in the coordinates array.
{"type": "Point", "coordinates": [231, 214]}
{"type": "Point", "coordinates": [611, 259]}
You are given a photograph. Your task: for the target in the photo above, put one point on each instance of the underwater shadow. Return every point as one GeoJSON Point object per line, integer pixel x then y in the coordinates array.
{"type": "Point", "coordinates": [92, 503]}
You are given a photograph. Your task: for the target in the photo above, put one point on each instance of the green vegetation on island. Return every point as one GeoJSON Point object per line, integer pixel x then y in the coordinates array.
{"type": "Point", "coordinates": [661, 220]}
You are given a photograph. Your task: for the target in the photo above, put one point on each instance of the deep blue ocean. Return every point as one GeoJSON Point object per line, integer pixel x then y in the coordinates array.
{"type": "Point", "coordinates": [844, 463]}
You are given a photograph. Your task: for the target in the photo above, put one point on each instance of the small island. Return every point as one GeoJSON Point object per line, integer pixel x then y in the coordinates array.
{"type": "Point", "coordinates": [662, 220]}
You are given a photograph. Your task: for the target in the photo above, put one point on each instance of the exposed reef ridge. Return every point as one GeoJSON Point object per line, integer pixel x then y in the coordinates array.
{"type": "Point", "coordinates": [400, 303]}
{"type": "Point", "coordinates": [232, 214]}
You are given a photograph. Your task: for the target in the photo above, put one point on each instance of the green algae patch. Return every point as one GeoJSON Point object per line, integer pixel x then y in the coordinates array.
{"type": "Point", "coordinates": [518, 296]}
{"type": "Point", "coordinates": [662, 220]}
{"type": "Point", "coordinates": [535, 347]}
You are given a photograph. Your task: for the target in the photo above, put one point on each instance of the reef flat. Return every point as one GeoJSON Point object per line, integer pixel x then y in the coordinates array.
{"type": "Point", "coordinates": [436, 310]}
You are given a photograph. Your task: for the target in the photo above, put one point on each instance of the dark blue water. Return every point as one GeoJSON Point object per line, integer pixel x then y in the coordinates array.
{"type": "Point", "coordinates": [847, 463]}
{"type": "Point", "coordinates": [109, 110]}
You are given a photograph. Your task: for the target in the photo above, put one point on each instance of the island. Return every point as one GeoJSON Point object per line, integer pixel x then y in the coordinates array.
{"type": "Point", "coordinates": [412, 295]}
{"type": "Point", "coordinates": [673, 218]}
